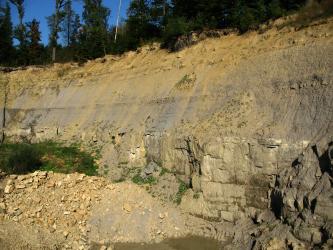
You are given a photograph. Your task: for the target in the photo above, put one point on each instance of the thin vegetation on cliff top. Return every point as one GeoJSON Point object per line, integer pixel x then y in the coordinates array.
{"type": "Point", "coordinates": [164, 21]}
{"type": "Point", "coordinates": [22, 158]}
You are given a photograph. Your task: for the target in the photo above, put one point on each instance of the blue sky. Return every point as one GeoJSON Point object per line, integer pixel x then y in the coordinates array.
{"type": "Point", "coordinates": [40, 9]}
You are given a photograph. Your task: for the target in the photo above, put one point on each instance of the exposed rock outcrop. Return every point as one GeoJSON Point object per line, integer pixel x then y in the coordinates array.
{"type": "Point", "coordinates": [228, 116]}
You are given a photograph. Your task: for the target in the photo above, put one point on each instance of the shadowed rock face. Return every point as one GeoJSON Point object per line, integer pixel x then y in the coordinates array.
{"type": "Point", "coordinates": [228, 115]}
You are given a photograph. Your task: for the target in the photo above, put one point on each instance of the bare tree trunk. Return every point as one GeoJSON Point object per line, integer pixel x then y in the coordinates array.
{"type": "Point", "coordinates": [5, 87]}
{"type": "Point", "coordinates": [54, 38]}
{"type": "Point", "coordinates": [69, 28]}
{"type": "Point", "coordinates": [164, 8]}
{"type": "Point", "coordinates": [54, 50]}
{"type": "Point", "coordinates": [116, 34]}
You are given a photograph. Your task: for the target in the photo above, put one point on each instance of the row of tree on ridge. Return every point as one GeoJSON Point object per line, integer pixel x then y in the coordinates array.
{"type": "Point", "coordinates": [87, 35]}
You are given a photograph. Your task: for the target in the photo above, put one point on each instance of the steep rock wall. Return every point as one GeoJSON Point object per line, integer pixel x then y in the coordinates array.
{"type": "Point", "coordinates": [227, 115]}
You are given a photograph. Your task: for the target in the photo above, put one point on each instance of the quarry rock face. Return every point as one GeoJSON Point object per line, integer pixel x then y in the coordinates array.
{"type": "Point", "coordinates": [245, 121]}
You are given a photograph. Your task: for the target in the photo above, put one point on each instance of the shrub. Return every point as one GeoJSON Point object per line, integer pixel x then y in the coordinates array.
{"type": "Point", "coordinates": [20, 158]}
{"type": "Point", "coordinates": [175, 27]}
{"type": "Point", "coordinates": [196, 196]}
{"type": "Point", "coordinates": [137, 179]}
{"type": "Point", "coordinates": [181, 191]}
{"type": "Point", "coordinates": [164, 171]}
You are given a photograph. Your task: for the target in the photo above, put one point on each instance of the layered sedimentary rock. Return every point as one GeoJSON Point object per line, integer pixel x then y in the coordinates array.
{"type": "Point", "coordinates": [228, 115]}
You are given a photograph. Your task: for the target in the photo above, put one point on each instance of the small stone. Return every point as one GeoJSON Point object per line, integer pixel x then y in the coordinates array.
{"type": "Point", "coordinates": [28, 181]}
{"type": "Point", "coordinates": [67, 213]}
{"type": "Point", "coordinates": [103, 248]}
{"type": "Point", "coordinates": [127, 207]}
{"type": "Point", "coordinates": [161, 216]}
{"type": "Point", "coordinates": [9, 189]}
{"type": "Point", "coordinates": [51, 184]}
{"type": "Point", "coordinates": [2, 207]}
{"type": "Point", "coordinates": [38, 209]}
{"type": "Point", "coordinates": [21, 177]}
{"type": "Point", "coordinates": [81, 177]}
{"type": "Point", "coordinates": [20, 186]}
{"type": "Point", "coordinates": [65, 233]}
{"type": "Point", "coordinates": [42, 174]}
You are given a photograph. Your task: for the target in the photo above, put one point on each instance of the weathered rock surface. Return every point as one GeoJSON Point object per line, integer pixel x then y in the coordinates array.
{"type": "Point", "coordinates": [137, 217]}
{"type": "Point", "coordinates": [229, 116]}
{"type": "Point", "coordinates": [82, 210]}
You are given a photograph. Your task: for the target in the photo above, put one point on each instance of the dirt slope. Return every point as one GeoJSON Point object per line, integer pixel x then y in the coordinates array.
{"type": "Point", "coordinates": [248, 84]}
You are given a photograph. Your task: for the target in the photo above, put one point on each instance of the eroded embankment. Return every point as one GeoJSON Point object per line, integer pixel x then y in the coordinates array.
{"type": "Point", "coordinates": [227, 115]}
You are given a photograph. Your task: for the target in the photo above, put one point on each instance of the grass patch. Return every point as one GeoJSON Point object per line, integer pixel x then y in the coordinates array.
{"type": "Point", "coordinates": [164, 171]}
{"type": "Point", "coordinates": [122, 179]}
{"type": "Point", "coordinates": [181, 191]}
{"type": "Point", "coordinates": [137, 179]}
{"type": "Point", "coordinates": [184, 83]}
{"type": "Point", "coordinates": [196, 196]}
{"type": "Point", "coordinates": [22, 158]}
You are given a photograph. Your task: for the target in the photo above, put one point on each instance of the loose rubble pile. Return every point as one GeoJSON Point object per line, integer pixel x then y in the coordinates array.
{"type": "Point", "coordinates": [85, 211]}
{"type": "Point", "coordinates": [82, 212]}
{"type": "Point", "coordinates": [128, 213]}
{"type": "Point", "coordinates": [55, 202]}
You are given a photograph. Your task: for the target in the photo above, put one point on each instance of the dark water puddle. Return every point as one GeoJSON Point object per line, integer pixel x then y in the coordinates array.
{"type": "Point", "coordinates": [188, 243]}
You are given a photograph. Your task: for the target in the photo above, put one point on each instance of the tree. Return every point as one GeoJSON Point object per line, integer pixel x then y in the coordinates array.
{"type": "Point", "coordinates": [4, 91]}
{"type": "Point", "coordinates": [159, 12]}
{"type": "Point", "coordinates": [70, 24]}
{"type": "Point", "coordinates": [6, 37]}
{"type": "Point", "coordinates": [75, 30]}
{"type": "Point", "coordinates": [33, 38]}
{"type": "Point", "coordinates": [94, 39]}
{"type": "Point", "coordinates": [20, 33]}
{"type": "Point", "coordinates": [2, 9]}
{"type": "Point", "coordinates": [54, 22]}
{"type": "Point", "coordinates": [20, 29]}
{"type": "Point", "coordinates": [186, 8]}
{"type": "Point", "coordinates": [140, 25]}
{"type": "Point", "coordinates": [274, 9]}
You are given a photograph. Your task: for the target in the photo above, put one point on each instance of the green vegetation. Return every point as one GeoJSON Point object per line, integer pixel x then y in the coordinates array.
{"type": "Point", "coordinates": [196, 196]}
{"type": "Point", "coordinates": [137, 179]}
{"type": "Point", "coordinates": [164, 171]}
{"type": "Point", "coordinates": [185, 83]}
{"type": "Point", "coordinates": [22, 158]}
{"type": "Point", "coordinates": [147, 21]}
{"type": "Point", "coordinates": [181, 191]}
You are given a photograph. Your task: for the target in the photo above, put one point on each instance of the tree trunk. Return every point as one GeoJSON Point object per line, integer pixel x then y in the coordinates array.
{"type": "Point", "coordinates": [117, 23]}
{"type": "Point", "coordinates": [2, 139]}
{"type": "Point", "coordinates": [55, 33]}
{"type": "Point", "coordinates": [54, 50]}
{"type": "Point", "coordinates": [164, 8]}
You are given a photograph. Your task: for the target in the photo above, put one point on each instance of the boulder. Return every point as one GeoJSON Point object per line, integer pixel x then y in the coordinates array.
{"type": "Point", "coordinates": [324, 205]}
{"type": "Point", "coordinates": [151, 169]}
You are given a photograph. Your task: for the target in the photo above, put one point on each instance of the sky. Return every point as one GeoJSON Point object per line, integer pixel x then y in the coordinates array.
{"type": "Point", "coordinates": [40, 9]}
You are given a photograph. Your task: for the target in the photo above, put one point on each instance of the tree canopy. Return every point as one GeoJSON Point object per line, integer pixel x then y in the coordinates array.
{"type": "Point", "coordinates": [91, 36]}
